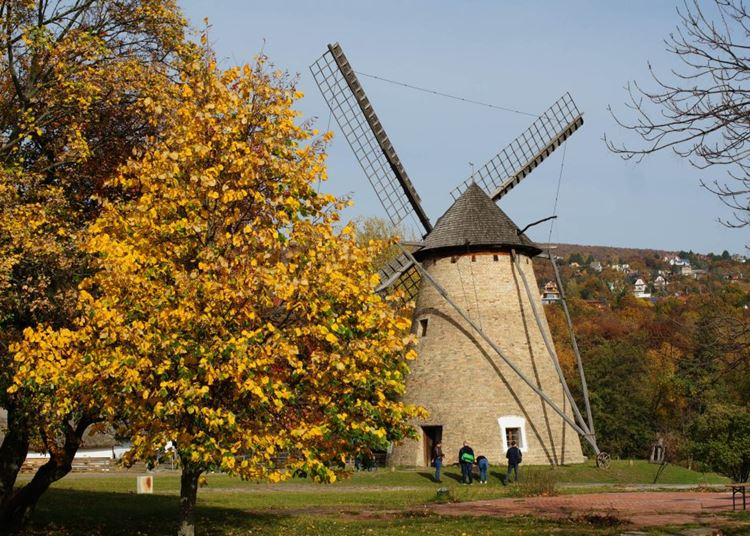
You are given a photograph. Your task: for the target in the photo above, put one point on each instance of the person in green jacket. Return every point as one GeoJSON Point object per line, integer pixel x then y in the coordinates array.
{"type": "Point", "coordinates": [466, 460]}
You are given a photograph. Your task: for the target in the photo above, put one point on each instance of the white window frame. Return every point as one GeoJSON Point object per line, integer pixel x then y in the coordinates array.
{"type": "Point", "coordinates": [513, 421]}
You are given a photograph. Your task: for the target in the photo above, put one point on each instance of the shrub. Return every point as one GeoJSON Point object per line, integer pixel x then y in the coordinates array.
{"type": "Point", "coordinates": [534, 484]}
{"type": "Point", "coordinates": [445, 495]}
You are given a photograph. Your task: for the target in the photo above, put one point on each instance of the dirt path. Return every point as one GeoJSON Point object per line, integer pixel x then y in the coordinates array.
{"type": "Point", "coordinates": [644, 509]}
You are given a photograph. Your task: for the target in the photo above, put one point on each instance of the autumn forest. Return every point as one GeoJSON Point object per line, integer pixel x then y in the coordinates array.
{"type": "Point", "coordinates": [670, 367]}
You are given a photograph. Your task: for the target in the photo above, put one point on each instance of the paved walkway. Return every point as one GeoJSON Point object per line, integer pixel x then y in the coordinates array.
{"type": "Point", "coordinates": [641, 509]}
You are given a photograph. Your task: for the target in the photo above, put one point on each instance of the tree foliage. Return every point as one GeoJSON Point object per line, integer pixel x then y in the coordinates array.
{"type": "Point", "coordinates": [380, 230]}
{"type": "Point", "coordinates": [721, 438]}
{"type": "Point", "coordinates": [72, 78]}
{"type": "Point", "coordinates": [165, 255]}
{"type": "Point", "coordinates": [619, 401]}
{"type": "Point", "coordinates": [226, 313]}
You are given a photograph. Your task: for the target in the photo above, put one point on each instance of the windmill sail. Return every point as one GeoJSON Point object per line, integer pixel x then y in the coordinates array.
{"type": "Point", "coordinates": [366, 136]}
{"type": "Point", "coordinates": [400, 274]}
{"type": "Point", "coordinates": [527, 151]}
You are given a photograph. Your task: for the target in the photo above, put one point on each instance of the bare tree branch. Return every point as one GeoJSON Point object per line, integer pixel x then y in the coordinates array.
{"type": "Point", "coordinates": [701, 111]}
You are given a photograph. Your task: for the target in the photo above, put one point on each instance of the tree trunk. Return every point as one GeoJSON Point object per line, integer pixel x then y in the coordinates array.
{"type": "Point", "coordinates": [188, 495]}
{"type": "Point", "coordinates": [20, 506]}
{"type": "Point", "coordinates": [13, 452]}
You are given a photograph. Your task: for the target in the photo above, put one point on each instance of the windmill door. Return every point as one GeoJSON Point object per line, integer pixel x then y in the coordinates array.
{"type": "Point", "coordinates": [432, 435]}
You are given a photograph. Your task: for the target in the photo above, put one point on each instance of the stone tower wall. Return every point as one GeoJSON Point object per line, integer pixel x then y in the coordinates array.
{"type": "Point", "coordinates": [465, 385]}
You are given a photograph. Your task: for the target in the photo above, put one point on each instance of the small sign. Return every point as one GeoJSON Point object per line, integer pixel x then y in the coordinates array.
{"type": "Point", "coordinates": [144, 484]}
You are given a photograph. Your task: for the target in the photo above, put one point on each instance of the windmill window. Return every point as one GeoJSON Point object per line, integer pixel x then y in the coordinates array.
{"type": "Point", "coordinates": [495, 258]}
{"type": "Point", "coordinates": [513, 434]}
{"type": "Point", "coordinates": [454, 259]}
{"type": "Point", "coordinates": [513, 428]}
{"type": "Point", "coordinates": [423, 327]}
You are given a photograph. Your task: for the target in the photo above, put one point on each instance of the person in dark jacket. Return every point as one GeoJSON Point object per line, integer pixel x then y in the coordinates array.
{"type": "Point", "coordinates": [437, 459]}
{"type": "Point", "coordinates": [514, 458]}
{"type": "Point", "coordinates": [483, 465]}
{"type": "Point", "coordinates": [466, 459]}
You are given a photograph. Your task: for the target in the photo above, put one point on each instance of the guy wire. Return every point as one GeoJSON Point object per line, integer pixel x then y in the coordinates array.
{"type": "Point", "coordinates": [447, 95]}
{"type": "Point", "coordinates": [557, 195]}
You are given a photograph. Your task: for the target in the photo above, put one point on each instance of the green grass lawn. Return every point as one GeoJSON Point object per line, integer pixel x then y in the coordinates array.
{"type": "Point", "coordinates": [380, 502]}
{"type": "Point", "coordinates": [633, 472]}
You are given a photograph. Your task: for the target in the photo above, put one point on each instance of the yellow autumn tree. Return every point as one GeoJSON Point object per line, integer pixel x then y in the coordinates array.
{"type": "Point", "coordinates": [227, 313]}
{"type": "Point", "coordinates": [73, 76]}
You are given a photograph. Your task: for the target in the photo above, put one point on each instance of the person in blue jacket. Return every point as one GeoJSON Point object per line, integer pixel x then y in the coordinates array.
{"type": "Point", "coordinates": [514, 458]}
{"type": "Point", "coordinates": [437, 459]}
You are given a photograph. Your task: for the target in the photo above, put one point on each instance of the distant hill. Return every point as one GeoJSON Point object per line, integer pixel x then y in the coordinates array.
{"type": "Point", "coordinates": [604, 253]}
{"type": "Point", "coordinates": [605, 274]}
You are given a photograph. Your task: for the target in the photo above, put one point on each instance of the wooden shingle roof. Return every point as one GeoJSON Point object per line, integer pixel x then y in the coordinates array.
{"type": "Point", "coordinates": [474, 223]}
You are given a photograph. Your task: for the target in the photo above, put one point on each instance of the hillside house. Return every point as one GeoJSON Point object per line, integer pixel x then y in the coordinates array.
{"type": "Point", "coordinates": [676, 261]}
{"type": "Point", "coordinates": [660, 282]}
{"type": "Point", "coordinates": [639, 289]}
{"type": "Point", "coordinates": [550, 293]}
{"type": "Point", "coordinates": [621, 268]}
{"type": "Point", "coordinates": [596, 266]}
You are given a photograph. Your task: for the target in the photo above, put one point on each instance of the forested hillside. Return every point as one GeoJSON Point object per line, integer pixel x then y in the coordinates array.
{"type": "Point", "coordinates": [672, 364]}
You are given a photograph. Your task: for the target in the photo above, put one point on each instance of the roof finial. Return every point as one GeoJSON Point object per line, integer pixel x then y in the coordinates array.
{"type": "Point", "coordinates": [472, 171]}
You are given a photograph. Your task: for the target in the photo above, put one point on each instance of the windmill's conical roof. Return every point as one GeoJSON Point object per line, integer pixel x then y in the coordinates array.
{"type": "Point", "coordinates": [475, 223]}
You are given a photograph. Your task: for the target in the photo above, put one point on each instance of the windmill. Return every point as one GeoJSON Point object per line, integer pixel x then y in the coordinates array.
{"type": "Point", "coordinates": [487, 370]}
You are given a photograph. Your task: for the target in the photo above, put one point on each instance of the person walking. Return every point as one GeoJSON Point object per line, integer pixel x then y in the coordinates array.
{"type": "Point", "coordinates": [483, 465]}
{"type": "Point", "coordinates": [514, 458]}
{"type": "Point", "coordinates": [466, 459]}
{"type": "Point", "coordinates": [437, 459]}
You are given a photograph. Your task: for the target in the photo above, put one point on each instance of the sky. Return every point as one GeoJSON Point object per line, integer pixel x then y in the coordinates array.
{"type": "Point", "coordinates": [519, 55]}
